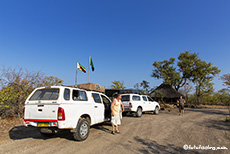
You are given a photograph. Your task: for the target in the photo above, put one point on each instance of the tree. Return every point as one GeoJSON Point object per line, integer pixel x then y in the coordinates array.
{"type": "Point", "coordinates": [119, 85]}
{"type": "Point", "coordinates": [189, 68]}
{"type": "Point", "coordinates": [202, 76]}
{"type": "Point", "coordinates": [176, 75]}
{"type": "Point", "coordinates": [167, 71]}
{"type": "Point", "coordinates": [16, 85]}
{"type": "Point", "coordinates": [185, 90]}
{"type": "Point", "coordinates": [160, 96]}
{"type": "Point", "coordinates": [226, 79]}
{"type": "Point", "coordinates": [137, 86]}
{"type": "Point", "coordinates": [52, 81]}
{"type": "Point", "coordinates": [145, 85]}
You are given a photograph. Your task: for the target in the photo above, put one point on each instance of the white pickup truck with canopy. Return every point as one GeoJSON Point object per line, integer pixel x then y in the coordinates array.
{"type": "Point", "coordinates": [59, 107]}
{"type": "Point", "coordinates": [135, 103]}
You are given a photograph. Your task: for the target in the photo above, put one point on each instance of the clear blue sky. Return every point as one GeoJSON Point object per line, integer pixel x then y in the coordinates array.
{"type": "Point", "coordinates": [124, 37]}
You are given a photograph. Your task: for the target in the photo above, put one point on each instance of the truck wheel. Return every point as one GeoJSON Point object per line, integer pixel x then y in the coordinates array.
{"type": "Point", "coordinates": [139, 112]}
{"type": "Point", "coordinates": [46, 132]}
{"type": "Point", "coordinates": [81, 132]}
{"type": "Point", "coordinates": [156, 110]}
{"type": "Point", "coordinates": [124, 113]}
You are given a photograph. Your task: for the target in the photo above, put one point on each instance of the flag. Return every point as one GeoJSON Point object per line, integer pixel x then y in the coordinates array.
{"type": "Point", "coordinates": [80, 67]}
{"type": "Point", "coordinates": [91, 64]}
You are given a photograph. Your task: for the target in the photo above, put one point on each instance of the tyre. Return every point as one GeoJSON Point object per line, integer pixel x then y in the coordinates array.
{"type": "Point", "coordinates": [139, 112]}
{"type": "Point", "coordinates": [124, 113]}
{"type": "Point", "coordinates": [156, 111]}
{"type": "Point", "coordinates": [46, 132]}
{"type": "Point", "coordinates": [81, 132]}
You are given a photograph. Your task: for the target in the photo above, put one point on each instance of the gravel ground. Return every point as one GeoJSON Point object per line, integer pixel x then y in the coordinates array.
{"type": "Point", "coordinates": [164, 133]}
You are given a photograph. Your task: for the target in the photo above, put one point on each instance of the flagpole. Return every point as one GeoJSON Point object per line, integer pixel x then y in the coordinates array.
{"type": "Point", "coordinates": [76, 76]}
{"type": "Point", "coordinates": [89, 69]}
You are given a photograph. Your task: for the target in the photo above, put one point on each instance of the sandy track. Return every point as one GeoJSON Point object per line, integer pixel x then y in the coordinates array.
{"type": "Point", "coordinates": [164, 133]}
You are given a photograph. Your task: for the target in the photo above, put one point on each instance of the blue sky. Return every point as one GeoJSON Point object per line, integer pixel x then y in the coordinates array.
{"type": "Point", "coordinates": [124, 37]}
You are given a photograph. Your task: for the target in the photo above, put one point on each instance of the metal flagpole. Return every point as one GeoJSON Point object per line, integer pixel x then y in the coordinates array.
{"type": "Point", "coordinates": [76, 76]}
{"type": "Point", "coordinates": [89, 69]}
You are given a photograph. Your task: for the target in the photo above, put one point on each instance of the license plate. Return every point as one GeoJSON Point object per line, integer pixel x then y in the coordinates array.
{"type": "Point", "coordinates": [44, 124]}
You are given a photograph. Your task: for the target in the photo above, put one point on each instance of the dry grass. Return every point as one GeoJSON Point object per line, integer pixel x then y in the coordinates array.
{"type": "Point", "coordinates": [6, 125]}
{"type": "Point", "coordinates": [212, 106]}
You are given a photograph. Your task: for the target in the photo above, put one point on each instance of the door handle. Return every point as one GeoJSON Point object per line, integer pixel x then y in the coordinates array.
{"type": "Point", "coordinates": [95, 106]}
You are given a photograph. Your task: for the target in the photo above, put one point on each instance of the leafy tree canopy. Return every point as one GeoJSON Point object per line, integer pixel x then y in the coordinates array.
{"type": "Point", "coordinates": [188, 68]}
{"type": "Point", "coordinates": [119, 85]}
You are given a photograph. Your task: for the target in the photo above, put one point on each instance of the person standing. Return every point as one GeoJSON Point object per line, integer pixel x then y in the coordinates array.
{"type": "Point", "coordinates": [181, 103]}
{"type": "Point", "coordinates": [116, 110]}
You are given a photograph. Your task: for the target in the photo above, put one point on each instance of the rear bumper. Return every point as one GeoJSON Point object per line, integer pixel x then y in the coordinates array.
{"type": "Point", "coordinates": [41, 122]}
{"type": "Point", "coordinates": [127, 109]}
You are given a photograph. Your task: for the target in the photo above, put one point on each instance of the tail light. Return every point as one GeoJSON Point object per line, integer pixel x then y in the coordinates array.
{"type": "Point", "coordinates": [61, 114]}
{"type": "Point", "coordinates": [130, 104]}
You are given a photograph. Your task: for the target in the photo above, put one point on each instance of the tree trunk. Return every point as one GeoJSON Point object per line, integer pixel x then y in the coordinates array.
{"type": "Point", "coordinates": [229, 110]}
{"type": "Point", "coordinates": [198, 99]}
{"type": "Point", "coordinates": [186, 97]}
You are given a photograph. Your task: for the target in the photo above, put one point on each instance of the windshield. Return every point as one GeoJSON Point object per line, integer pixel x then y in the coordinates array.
{"type": "Point", "coordinates": [45, 94]}
{"type": "Point", "coordinates": [125, 98]}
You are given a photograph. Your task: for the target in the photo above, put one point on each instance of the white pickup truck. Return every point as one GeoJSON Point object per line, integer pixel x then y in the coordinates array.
{"type": "Point", "coordinates": [59, 107]}
{"type": "Point", "coordinates": [135, 103]}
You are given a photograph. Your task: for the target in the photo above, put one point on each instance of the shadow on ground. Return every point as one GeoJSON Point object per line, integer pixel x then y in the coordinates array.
{"type": "Point", "coordinates": [22, 132]}
{"type": "Point", "coordinates": [217, 124]}
{"type": "Point", "coordinates": [103, 128]}
{"type": "Point", "coordinates": [210, 111]}
{"type": "Point", "coordinates": [150, 146]}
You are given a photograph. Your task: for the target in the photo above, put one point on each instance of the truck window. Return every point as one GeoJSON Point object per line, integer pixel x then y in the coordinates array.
{"type": "Point", "coordinates": [105, 100]}
{"type": "Point", "coordinates": [67, 94]}
{"type": "Point", "coordinates": [79, 95]}
{"type": "Point", "coordinates": [45, 94]}
{"type": "Point", "coordinates": [96, 98]}
{"type": "Point", "coordinates": [125, 98]}
{"type": "Point", "coordinates": [144, 98]}
{"type": "Point", "coordinates": [136, 98]}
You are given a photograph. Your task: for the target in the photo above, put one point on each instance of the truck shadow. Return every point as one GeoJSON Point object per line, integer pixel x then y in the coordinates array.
{"type": "Point", "coordinates": [22, 132]}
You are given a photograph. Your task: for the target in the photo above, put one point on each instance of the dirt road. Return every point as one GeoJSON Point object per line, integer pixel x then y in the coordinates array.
{"type": "Point", "coordinates": [164, 133]}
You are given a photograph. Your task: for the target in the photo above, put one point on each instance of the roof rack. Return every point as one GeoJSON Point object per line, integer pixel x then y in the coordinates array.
{"type": "Point", "coordinates": [90, 87]}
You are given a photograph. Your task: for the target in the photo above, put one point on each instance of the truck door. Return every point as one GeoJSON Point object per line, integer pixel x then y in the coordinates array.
{"type": "Point", "coordinates": [107, 107]}
{"type": "Point", "coordinates": [151, 103]}
{"type": "Point", "coordinates": [145, 103]}
{"type": "Point", "coordinates": [98, 108]}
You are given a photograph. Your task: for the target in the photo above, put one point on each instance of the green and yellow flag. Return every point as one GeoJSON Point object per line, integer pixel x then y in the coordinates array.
{"type": "Point", "coordinates": [91, 64]}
